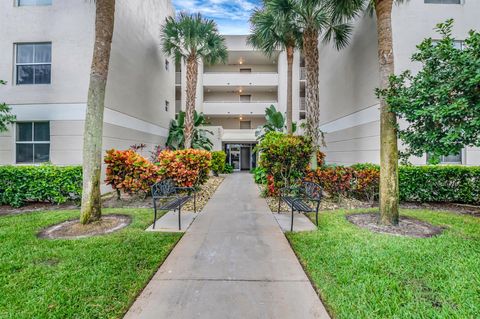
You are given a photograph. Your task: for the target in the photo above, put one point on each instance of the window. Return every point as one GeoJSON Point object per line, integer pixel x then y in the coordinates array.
{"type": "Point", "coordinates": [245, 70]}
{"type": "Point", "coordinates": [245, 125]}
{"type": "Point", "coordinates": [167, 65]}
{"type": "Point", "coordinates": [450, 159]}
{"type": "Point", "coordinates": [33, 63]}
{"type": "Point", "coordinates": [22, 3]}
{"type": "Point", "coordinates": [444, 1]}
{"type": "Point", "coordinates": [245, 98]}
{"type": "Point", "coordinates": [167, 106]}
{"type": "Point", "coordinates": [33, 142]}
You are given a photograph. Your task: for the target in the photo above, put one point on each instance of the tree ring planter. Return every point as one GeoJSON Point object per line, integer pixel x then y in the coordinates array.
{"type": "Point", "coordinates": [407, 226]}
{"type": "Point", "coordinates": [72, 229]}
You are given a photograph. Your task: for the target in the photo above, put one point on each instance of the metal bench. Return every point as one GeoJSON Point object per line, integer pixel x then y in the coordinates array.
{"type": "Point", "coordinates": [297, 197]}
{"type": "Point", "coordinates": [167, 192]}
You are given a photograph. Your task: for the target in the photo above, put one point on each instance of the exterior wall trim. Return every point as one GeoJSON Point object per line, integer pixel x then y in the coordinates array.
{"type": "Point", "coordinates": [367, 115]}
{"type": "Point", "coordinates": [76, 112]}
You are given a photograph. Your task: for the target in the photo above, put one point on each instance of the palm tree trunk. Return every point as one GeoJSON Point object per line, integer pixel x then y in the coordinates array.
{"type": "Point", "coordinates": [389, 195]}
{"type": "Point", "coordinates": [92, 141]}
{"type": "Point", "coordinates": [310, 50]}
{"type": "Point", "coordinates": [289, 89]}
{"type": "Point", "coordinates": [192, 71]}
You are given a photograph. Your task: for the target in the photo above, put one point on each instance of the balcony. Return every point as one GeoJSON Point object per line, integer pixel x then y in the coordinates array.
{"type": "Point", "coordinates": [302, 73]}
{"type": "Point", "coordinates": [236, 108]}
{"type": "Point", "coordinates": [240, 79]}
{"type": "Point", "coordinates": [231, 135]}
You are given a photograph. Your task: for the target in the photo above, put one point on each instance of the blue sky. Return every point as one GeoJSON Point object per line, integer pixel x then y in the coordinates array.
{"type": "Point", "coordinates": [230, 15]}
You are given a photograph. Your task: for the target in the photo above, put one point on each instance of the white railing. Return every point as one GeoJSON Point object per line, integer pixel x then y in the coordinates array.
{"type": "Point", "coordinates": [237, 101]}
{"type": "Point", "coordinates": [240, 79]}
{"type": "Point", "coordinates": [303, 73]}
{"type": "Point", "coordinates": [178, 77]}
{"type": "Point", "coordinates": [236, 108]}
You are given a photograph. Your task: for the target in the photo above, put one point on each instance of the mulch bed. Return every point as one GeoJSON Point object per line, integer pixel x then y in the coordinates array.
{"type": "Point", "coordinates": [72, 229]}
{"type": "Point", "coordinates": [407, 226]}
{"type": "Point", "coordinates": [137, 201]}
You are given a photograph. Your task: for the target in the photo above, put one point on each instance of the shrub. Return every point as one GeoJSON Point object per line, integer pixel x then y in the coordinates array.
{"type": "Point", "coordinates": [218, 162]}
{"type": "Point", "coordinates": [366, 182]}
{"type": "Point", "coordinates": [335, 180]}
{"type": "Point", "coordinates": [284, 157]}
{"type": "Point", "coordinates": [228, 168]}
{"type": "Point", "coordinates": [259, 175]}
{"type": "Point", "coordinates": [186, 167]}
{"type": "Point", "coordinates": [434, 183]}
{"type": "Point", "coordinates": [130, 172]}
{"type": "Point", "coordinates": [44, 183]}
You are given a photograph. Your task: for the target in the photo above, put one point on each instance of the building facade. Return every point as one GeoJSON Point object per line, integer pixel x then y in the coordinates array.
{"type": "Point", "coordinates": [233, 96]}
{"type": "Point", "coordinates": [46, 50]}
{"type": "Point", "coordinates": [349, 110]}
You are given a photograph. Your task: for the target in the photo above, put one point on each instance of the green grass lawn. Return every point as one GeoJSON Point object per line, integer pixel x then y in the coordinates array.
{"type": "Point", "coordinates": [97, 277]}
{"type": "Point", "coordinates": [360, 274]}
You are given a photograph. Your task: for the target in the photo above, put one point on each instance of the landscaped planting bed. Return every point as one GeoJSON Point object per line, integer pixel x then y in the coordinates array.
{"type": "Point", "coordinates": [362, 274]}
{"type": "Point", "coordinates": [97, 277]}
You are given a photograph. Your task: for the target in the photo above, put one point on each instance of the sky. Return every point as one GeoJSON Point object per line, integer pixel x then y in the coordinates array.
{"type": "Point", "coordinates": [231, 15]}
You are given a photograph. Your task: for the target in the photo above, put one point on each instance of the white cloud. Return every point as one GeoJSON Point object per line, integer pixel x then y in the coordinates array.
{"type": "Point", "coordinates": [231, 15]}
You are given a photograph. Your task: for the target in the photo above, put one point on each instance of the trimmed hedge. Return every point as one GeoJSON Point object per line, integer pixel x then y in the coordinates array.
{"type": "Point", "coordinates": [431, 183]}
{"type": "Point", "coordinates": [44, 183]}
{"type": "Point", "coordinates": [435, 183]}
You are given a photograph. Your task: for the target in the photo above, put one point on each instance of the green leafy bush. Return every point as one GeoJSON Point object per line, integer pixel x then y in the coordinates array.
{"type": "Point", "coordinates": [218, 162]}
{"type": "Point", "coordinates": [431, 183]}
{"type": "Point", "coordinates": [259, 175]}
{"type": "Point", "coordinates": [284, 158]}
{"type": "Point", "coordinates": [434, 183]}
{"type": "Point", "coordinates": [228, 168]}
{"type": "Point", "coordinates": [44, 183]}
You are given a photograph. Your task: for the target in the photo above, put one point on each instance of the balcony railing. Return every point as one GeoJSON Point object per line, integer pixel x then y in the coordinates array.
{"type": "Point", "coordinates": [236, 107]}
{"type": "Point", "coordinates": [240, 79]}
{"type": "Point", "coordinates": [302, 73]}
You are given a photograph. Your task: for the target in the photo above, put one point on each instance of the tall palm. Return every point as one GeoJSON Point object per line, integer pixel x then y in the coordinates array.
{"type": "Point", "coordinates": [92, 140]}
{"type": "Point", "coordinates": [389, 190]}
{"type": "Point", "coordinates": [273, 29]}
{"type": "Point", "coordinates": [329, 19]}
{"type": "Point", "coordinates": [193, 39]}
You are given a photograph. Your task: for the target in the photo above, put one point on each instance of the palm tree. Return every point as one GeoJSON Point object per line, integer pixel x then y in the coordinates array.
{"type": "Point", "coordinates": [329, 19]}
{"type": "Point", "coordinates": [200, 140]}
{"type": "Point", "coordinates": [192, 38]}
{"type": "Point", "coordinates": [92, 140]}
{"type": "Point", "coordinates": [273, 29]}
{"type": "Point", "coordinates": [389, 190]}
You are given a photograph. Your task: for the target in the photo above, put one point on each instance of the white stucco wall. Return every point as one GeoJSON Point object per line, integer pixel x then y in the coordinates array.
{"type": "Point", "coordinates": [348, 107]}
{"type": "Point", "coordinates": [138, 83]}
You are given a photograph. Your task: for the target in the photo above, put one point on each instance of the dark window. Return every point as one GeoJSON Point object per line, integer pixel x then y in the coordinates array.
{"type": "Point", "coordinates": [33, 63]}
{"type": "Point", "coordinates": [245, 98]}
{"type": "Point", "coordinates": [245, 125]}
{"type": "Point", "coordinates": [33, 142]}
{"type": "Point", "coordinates": [167, 106]}
{"type": "Point", "coordinates": [246, 70]}
{"type": "Point", "coordinates": [167, 65]}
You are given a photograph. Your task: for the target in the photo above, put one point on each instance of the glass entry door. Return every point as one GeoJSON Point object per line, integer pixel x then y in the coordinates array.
{"type": "Point", "coordinates": [235, 157]}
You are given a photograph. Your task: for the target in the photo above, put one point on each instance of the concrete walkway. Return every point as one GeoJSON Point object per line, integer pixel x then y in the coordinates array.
{"type": "Point", "coordinates": [234, 262]}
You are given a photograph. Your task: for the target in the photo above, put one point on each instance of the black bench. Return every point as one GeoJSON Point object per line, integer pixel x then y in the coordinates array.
{"type": "Point", "coordinates": [167, 192]}
{"type": "Point", "coordinates": [297, 198]}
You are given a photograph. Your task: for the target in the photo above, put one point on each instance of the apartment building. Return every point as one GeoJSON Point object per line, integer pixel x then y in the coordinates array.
{"type": "Point", "coordinates": [233, 96]}
{"type": "Point", "coordinates": [348, 107]}
{"type": "Point", "coordinates": [46, 49]}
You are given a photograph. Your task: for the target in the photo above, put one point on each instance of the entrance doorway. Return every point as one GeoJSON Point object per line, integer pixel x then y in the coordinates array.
{"type": "Point", "coordinates": [241, 156]}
